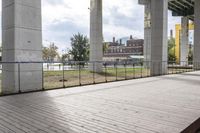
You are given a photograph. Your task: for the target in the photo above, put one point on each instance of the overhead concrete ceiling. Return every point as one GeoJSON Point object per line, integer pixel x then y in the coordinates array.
{"type": "Point", "coordinates": [182, 8]}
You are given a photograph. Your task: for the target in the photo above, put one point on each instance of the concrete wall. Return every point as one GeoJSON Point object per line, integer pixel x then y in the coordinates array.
{"type": "Point", "coordinates": [21, 42]}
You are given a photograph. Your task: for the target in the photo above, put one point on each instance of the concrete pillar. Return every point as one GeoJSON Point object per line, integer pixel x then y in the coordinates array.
{"type": "Point", "coordinates": [197, 35]}
{"type": "Point", "coordinates": [96, 34]}
{"type": "Point", "coordinates": [184, 41]}
{"type": "Point", "coordinates": [21, 42]}
{"type": "Point", "coordinates": [159, 39]}
{"type": "Point", "coordinates": [147, 34]}
{"type": "Point", "coordinates": [147, 31]}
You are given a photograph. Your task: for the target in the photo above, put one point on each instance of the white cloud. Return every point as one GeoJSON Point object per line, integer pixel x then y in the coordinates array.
{"type": "Point", "coordinates": [74, 13]}
{"type": "Point", "coordinates": [121, 18]}
{"type": "Point", "coordinates": [63, 18]}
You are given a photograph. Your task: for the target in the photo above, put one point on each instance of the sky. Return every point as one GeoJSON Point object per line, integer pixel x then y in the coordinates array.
{"type": "Point", "coordinates": [121, 18]}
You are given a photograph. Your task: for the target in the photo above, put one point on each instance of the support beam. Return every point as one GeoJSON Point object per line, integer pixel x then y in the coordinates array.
{"type": "Point", "coordinates": [159, 20]}
{"type": "Point", "coordinates": [196, 35]}
{"type": "Point", "coordinates": [96, 34]}
{"type": "Point", "coordinates": [21, 42]}
{"type": "Point", "coordinates": [184, 41]}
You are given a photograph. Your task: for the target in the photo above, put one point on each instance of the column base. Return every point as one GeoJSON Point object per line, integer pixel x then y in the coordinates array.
{"type": "Point", "coordinates": [21, 78]}
{"type": "Point", "coordinates": [158, 68]}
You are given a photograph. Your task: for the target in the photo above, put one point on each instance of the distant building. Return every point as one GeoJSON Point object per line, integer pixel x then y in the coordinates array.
{"type": "Point", "coordinates": [118, 51]}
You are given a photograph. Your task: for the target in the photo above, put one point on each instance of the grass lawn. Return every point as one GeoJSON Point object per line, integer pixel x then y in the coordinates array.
{"type": "Point", "coordinates": [54, 79]}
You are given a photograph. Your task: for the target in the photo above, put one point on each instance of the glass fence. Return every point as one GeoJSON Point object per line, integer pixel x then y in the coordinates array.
{"type": "Point", "coordinates": [53, 75]}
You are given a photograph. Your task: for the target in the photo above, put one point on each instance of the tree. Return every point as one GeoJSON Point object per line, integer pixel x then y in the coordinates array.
{"type": "Point", "coordinates": [45, 53]}
{"type": "Point", "coordinates": [80, 47]}
{"type": "Point", "coordinates": [50, 53]}
{"type": "Point", "coordinates": [105, 46]}
{"type": "Point", "coordinates": [65, 57]}
{"type": "Point", "coordinates": [171, 50]}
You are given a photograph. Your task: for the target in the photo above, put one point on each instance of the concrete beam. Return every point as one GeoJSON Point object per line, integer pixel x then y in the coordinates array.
{"type": "Point", "coordinates": [197, 34]}
{"type": "Point", "coordinates": [184, 45]}
{"type": "Point", "coordinates": [159, 26]}
{"type": "Point", "coordinates": [96, 34]}
{"type": "Point", "coordinates": [21, 42]}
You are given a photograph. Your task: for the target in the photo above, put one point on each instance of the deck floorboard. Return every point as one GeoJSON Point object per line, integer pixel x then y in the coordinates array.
{"type": "Point", "coordinates": [165, 104]}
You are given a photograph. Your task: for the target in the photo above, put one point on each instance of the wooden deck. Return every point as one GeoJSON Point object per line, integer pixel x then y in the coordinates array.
{"type": "Point", "coordinates": [166, 104]}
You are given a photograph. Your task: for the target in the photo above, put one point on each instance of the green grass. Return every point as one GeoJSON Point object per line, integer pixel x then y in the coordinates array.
{"type": "Point", "coordinates": [54, 79]}
{"type": "Point", "coordinates": [109, 71]}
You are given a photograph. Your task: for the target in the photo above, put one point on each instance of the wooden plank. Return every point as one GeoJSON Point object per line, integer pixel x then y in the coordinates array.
{"type": "Point", "coordinates": [152, 105]}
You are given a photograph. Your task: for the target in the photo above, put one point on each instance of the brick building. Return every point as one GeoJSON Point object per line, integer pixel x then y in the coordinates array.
{"type": "Point", "coordinates": [116, 50]}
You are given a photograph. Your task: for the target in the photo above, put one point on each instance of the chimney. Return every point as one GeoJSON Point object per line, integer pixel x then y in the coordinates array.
{"type": "Point", "coordinates": [171, 34]}
{"type": "Point", "coordinates": [113, 39]}
{"type": "Point", "coordinates": [131, 37]}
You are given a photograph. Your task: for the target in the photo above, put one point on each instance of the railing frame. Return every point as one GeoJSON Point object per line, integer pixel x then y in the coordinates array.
{"type": "Point", "coordinates": [140, 69]}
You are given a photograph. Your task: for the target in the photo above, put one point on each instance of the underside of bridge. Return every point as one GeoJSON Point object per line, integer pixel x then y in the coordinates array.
{"type": "Point", "coordinates": [182, 8]}
{"type": "Point", "coordinates": [188, 10]}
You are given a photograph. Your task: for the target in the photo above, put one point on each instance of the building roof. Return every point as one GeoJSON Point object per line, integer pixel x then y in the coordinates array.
{"type": "Point", "coordinates": [182, 8]}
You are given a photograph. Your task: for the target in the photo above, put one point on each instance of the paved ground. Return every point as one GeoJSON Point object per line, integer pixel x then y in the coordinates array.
{"type": "Point", "coordinates": [166, 104]}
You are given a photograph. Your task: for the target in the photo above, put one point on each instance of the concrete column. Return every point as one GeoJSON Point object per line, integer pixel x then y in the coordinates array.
{"type": "Point", "coordinates": [147, 31]}
{"type": "Point", "coordinates": [184, 41]}
{"type": "Point", "coordinates": [96, 34]}
{"type": "Point", "coordinates": [21, 42]}
{"type": "Point", "coordinates": [159, 39]}
{"type": "Point", "coordinates": [197, 35]}
{"type": "Point", "coordinates": [147, 34]}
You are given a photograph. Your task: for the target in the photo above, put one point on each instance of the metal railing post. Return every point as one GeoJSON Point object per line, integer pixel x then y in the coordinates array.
{"type": "Point", "coordinates": [79, 67]}
{"type": "Point", "coordinates": [152, 68]}
{"type": "Point", "coordinates": [125, 71]}
{"type": "Point", "coordinates": [116, 71]}
{"type": "Point", "coordinates": [141, 69]}
{"type": "Point", "coordinates": [43, 76]}
{"type": "Point", "coordinates": [181, 67]}
{"type": "Point", "coordinates": [133, 71]}
{"type": "Point", "coordinates": [146, 68]}
{"type": "Point", "coordinates": [149, 68]}
{"type": "Point", "coordinates": [115, 66]}
{"type": "Point", "coordinates": [185, 67]}
{"type": "Point", "coordinates": [93, 65]}
{"type": "Point", "coordinates": [63, 72]}
{"type": "Point", "coordinates": [159, 64]}
{"type": "Point", "coordinates": [19, 78]}
{"type": "Point", "coordinates": [105, 67]}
